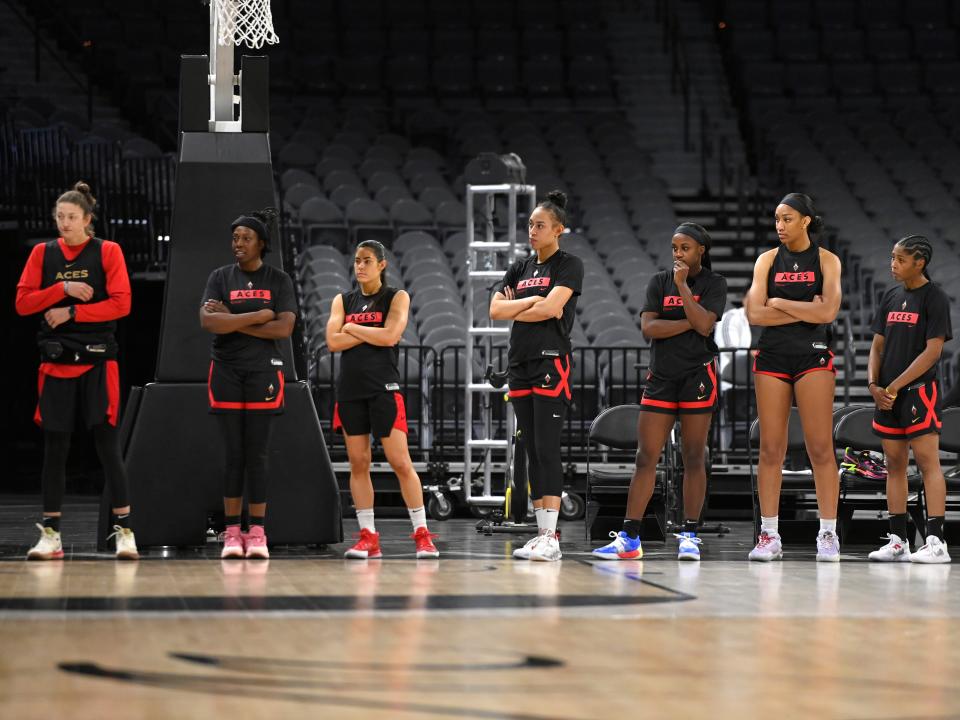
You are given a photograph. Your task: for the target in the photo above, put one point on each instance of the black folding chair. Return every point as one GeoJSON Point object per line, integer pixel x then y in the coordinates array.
{"type": "Point", "coordinates": [615, 428]}
{"type": "Point", "coordinates": [854, 430]}
{"type": "Point", "coordinates": [950, 443]}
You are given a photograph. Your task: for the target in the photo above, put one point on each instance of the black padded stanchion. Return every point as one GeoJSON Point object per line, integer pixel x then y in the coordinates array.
{"type": "Point", "coordinates": [174, 457]}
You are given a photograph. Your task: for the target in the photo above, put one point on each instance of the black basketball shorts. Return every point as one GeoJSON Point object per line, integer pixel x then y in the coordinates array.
{"type": "Point", "coordinates": [377, 415]}
{"type": "Point", "coordinates": [232, 390]}
{"type": "Point", "coordinates": [915, 412]}
{"type": "Point", "coordinates": [546, 378]}
{"type": "Point", "coordinates": [95, 393]}
{"type": "Point", "coordinates": [691, 394]}
{"type": "Point", "coordinates": [790, 367]}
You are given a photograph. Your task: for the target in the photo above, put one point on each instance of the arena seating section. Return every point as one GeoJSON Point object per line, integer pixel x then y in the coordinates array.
{"type": "Point", "coordinates": [377, 107]}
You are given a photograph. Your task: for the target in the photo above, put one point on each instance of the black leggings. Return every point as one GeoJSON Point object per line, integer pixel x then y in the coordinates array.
{"type": "Point", "coordinates": [53, 477]}
{"type": "Point", "coordinates": [540, 422]}
{"type": "Point", "coordinates": [246, 439]}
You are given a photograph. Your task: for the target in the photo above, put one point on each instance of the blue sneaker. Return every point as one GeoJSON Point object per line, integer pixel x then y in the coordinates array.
{"type": "Point", "coordinates": [623, 547]}
{"type": "Point", "coordinates": [689, 546]}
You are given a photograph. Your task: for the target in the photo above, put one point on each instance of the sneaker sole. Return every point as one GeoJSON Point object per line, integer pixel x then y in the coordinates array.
{"type": "Point", "coordinates": [44, 556]}
{"type": "Point", "coordinates": [257, 555]}
{"type": "Point", "coordinates": [900, 558]}
{"type": "Point", "coordinates": [636, 555]}
{"type": "Point", "coordinates": [828, 558]}
{"type": "Point", "coordinates": [541, 558]}
{"type": "Point", "coordinates": [362, 555]}
{"type": "Point", "coordinates": [938, 561]}
{"type": "Point", "coordinates": [232, 554]}
{"type": "Point", "coordinates": [128, 556]}
{"type": "Point", "coordinates": [769, 558]}
{"type": "Point", "coordinates": [427, 554]}
{"type": "Point", "coordinates": [518, 555]}
{"type": "Point", "coordinates": [688, 556]}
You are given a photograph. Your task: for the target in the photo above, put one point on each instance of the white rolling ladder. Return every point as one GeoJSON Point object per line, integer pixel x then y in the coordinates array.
{"type": "Point", "coordinates": [484, 258]}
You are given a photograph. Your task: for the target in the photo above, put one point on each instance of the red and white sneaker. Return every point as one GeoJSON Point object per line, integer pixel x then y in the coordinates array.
{"type": "Point", "coordinates": [367, 547]}
{"type": "Point", "coordinates": [255, 543]}
{"type": "Point", "coordinates": [424, 540]}
{"type": "Point", "coordinates": [48, 547]}
{"type": "Point", "coordinates": [232, 543]}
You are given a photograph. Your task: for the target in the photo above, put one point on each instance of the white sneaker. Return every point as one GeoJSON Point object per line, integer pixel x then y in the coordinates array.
{"type": "Point", "coordinates": [689, 548]}
{"type": "Point", "coordinates": [126, 543]}
{"type": "Point", "coordinates": [896, 550]}
{"type": "Point", "coordinates": [828, 546]}
{"type": "Point", "coordinates": [933, 553]}
{"type": "Point", "coordinates": [523, 553]}
{"type": "Point", "coordinates": [547, 550]}
{"type": "Point", "coordinates": [768, 547]}
{"type": "Point", "coordinates": [48, 547]}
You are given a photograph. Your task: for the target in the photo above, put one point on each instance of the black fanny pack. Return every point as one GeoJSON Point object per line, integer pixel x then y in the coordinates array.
{"type": "Point", "coordinates": [71, 352]}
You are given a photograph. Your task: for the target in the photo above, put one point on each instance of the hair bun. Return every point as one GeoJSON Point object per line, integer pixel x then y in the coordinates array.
{"type": "Point", "coordinates": [816, 225]}
{"type": "Point", "coordinates": [81, 187]}
{"type": "Point", "coordinates": [558, 198]}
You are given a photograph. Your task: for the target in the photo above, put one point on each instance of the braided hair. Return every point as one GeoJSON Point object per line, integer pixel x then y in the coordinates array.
{"type": "Point", "coordinates": [921, 249]}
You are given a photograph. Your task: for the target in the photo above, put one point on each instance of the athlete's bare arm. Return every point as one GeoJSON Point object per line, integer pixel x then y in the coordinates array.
{"type": "Point", "coordinates": [880, 398]}
{"type": "Point", "coordinates": [551, 307]}
{"type": "Point", "coordinates": [506, 306]}
{"type": "Point", "coordinates": [755, 301]}
{"type": "Point", "coordinates": [337, 340]}
{"type": "Point", "coordinates": [215, 317]}
{"type": "Point", "coordinates": [653, 328]}
{"type": "Point", "coordinates": [823, 308]}
{"type": "Point", "coordinates": [392, 330]}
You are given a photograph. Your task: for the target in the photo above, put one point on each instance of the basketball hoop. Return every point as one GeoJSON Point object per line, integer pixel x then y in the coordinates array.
{"type": "Point", "coordinates": [244, 22]}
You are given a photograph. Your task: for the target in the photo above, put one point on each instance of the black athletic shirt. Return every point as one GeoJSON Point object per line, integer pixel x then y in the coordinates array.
{"type": "Point", "coordinates": [795, 276]}
{"type": "Point", "coordinates": [366, 370]}
{"type": "Point", "coordinates": [242, 292]}
{"type": "Point", "coordinates": [77, 337]}
{"type": "Point", "coordinates": [907, 319]}
{"type": "Point", "coordinates": [682, 354]}
{"type": "Point", "coordinates": [546, 338]}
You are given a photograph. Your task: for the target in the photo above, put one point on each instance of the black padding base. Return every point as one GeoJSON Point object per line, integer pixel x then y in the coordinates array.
{"type": "Point", "coordinates": [174, 458]}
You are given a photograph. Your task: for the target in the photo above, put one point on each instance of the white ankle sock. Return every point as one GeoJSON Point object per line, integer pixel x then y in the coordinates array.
{"type": "Point", "coordinates": [830, 525]}
{"type": "Point", "coordinates": [539, 514]}
{"type": "Point", "coordinates": [770, 524]}
{"type": "Point", "coordinates": [550, 518]}
{"type": "Point", "coordinates": [418, 516]}
{"type": "Point", "coordinates": [365, 518]}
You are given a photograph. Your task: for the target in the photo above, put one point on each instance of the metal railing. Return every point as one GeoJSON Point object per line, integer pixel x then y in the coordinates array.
{"type": "Point", "coordinates": [135, 194]}
{"type": "Point", "coordinates": [432, 385]}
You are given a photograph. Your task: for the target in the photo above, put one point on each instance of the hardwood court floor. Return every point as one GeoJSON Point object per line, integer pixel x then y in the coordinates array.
{"type": "Point", "coordinates": [477, 635]}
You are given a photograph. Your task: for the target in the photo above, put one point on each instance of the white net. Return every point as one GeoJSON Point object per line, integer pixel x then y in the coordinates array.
{"type": "Point", "coordinates": [245, 22]}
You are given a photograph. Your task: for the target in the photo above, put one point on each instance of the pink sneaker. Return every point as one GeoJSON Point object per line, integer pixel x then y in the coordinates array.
{"type": "Point", "coordinates": [256, 542]}
{"type": "Point", "coordinates": [232, 543]}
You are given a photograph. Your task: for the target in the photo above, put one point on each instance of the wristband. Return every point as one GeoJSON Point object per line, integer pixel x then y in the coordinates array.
{"type": "Point", "coordinates": [65, 283]}
{"type": "Point", "coordinates": [871, 384]}
{"type": "Point", "coordinates": [73, 312]}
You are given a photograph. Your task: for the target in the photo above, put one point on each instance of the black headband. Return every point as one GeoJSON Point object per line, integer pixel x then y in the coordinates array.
{"type": "Point", "coordinates": [692, 231]}
{"type": "Point", "coordinates": [248, 221]}
{"type": "Point", "coordinates": [797, 204]}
